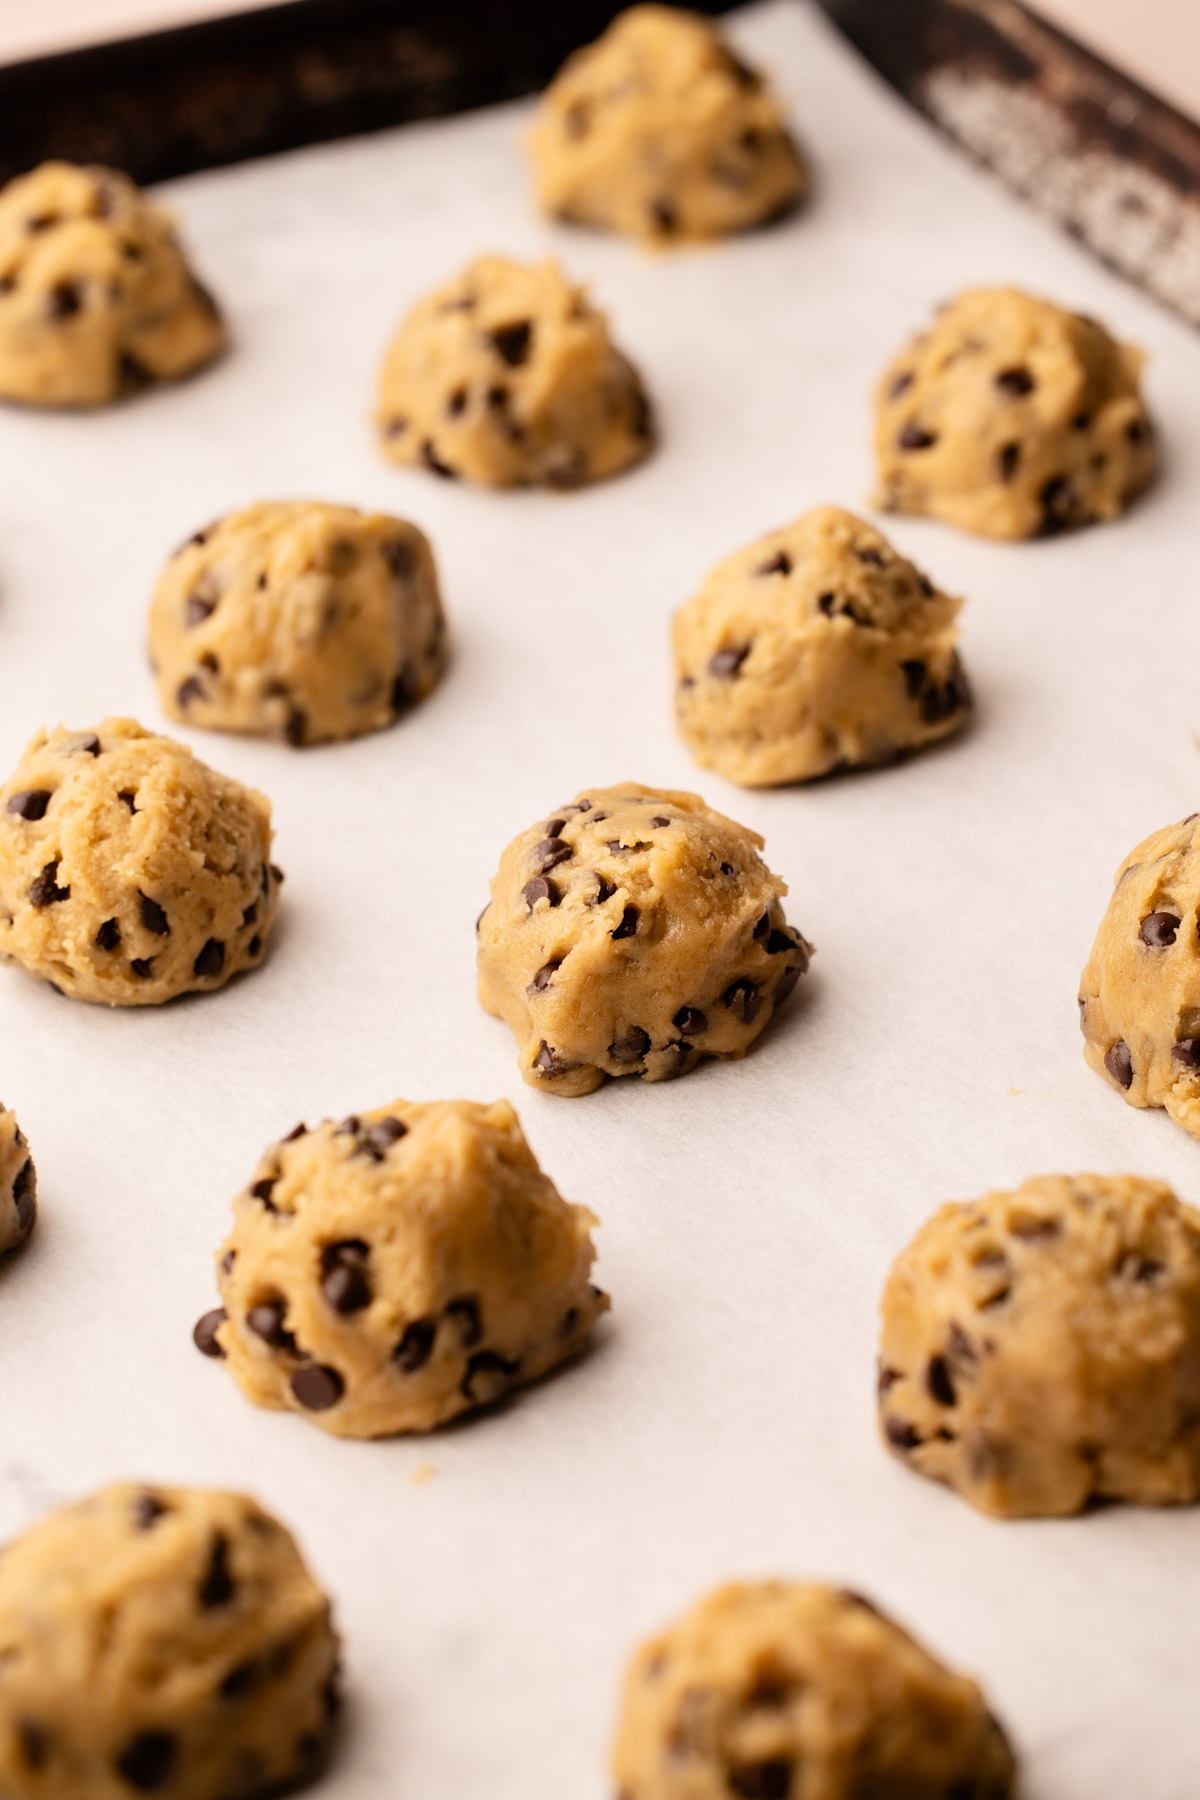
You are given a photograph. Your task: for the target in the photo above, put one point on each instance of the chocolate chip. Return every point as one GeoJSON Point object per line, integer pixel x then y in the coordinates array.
{"type": "Point", "coordinates": [1059, 504]}
{"type": "Point", "coordinates": [264, 1188]}
{"type": "Point", "coordinates": [867, 553]}
{"type": "Point", "coordinates": [959, 1345]}
{"type": "Point", "coordinates": [563, 466]}
{"type": "Point", "coordinates": [416, 1346]}
{"type": "Point", "coordinates": [544, 976]}
{"type": "Point", "coordinates": [885, 1379]}
{"type": "Point", "coordinates": [1135, 1267]}
{"type": "Point", "coordinates": [664, 216]}
{"type": "Point", "coordinates": [605, 890]}
{"type": "Point", "coordinates": [33, 1745]}
{"type": "Point", "coordinates": [189, 690]}
{"type": "Point", "coordinates": [901, 1434]}
{"type": "Point", "coordinates": [317, 1387]}
{"type": "Point", "coordinates": [538, 889]}
{"type": "Point", "coordinates": [550, 852]}
{"type": "Point", "coordinates": [148, 1761]}
{"type": "Point", "coordinates": [199, 607]}
{"type": "Point", "coordinates": [241, 1679]}
{"type": "Point", "coordinates": [45, 890]}
{"type": "Point", "coordinates": [404, 690]}
{"type": "Point", "coordinates": [295, 727]}
{"type": "Point", "coordinates": [266, 1321]}
{"type": "Point", "coordinates": [153, 917]}
{"type": "Point", "coordinates": [142, 967]}
{"type": "Point", "coordinates": [64, 300]}
{"type": "Point", "coordinates": [397, 553]}
{"type": "Point", "coordinates": [350, 1126]}
{"type": "Point", "coordinates": [211, 960]}
{"type": "Point", "coordinates": [1137, 430]}
{"type": "Point", "coordinates": [344, 1281]}
{"type": "Point", "coordinates": [1007, 458]}
{"type": "Point", "coordinates": [227, 1262]}
{"type": "Point", "coordinates": [1031, 1230]}
{"type": "Point", "coordinates": [940, 702]}
{"type": "Point", "coordinates": [23, 1196]}
{"type": "Point", "coordinates": [456, 402]}
{"type": "Point", "coordinates": [690, 1021]}
{"type": "Point", "coordinates": [378, 1138]}
{"type": "Point", "coordinates": [1187, 1052]}
{"type": "Point", "coordinates": [631, 1047]}
{"type": "Point", "coordinates": [30, 804]}
{"type": "Point", "coordinates": [436, 466]}
{"type": "Point", "coordinates": [939, 1381]}
{"type": "Point", "coordinates": [641, 415]}
{"type": "Point", "coordinates": [1017, 382]}
{"type": "Point", "coordinates": [218, 1586]}
{"type": "Point", "coordinates": [771, 1780]}
{"type": "Point", "coordinates": [204, 1332]}
{"type": "Point", "coordinates": [466, 1315]}
{"type": "Point", "coordinates": [743, 999]}
{"type": "Point", "coordinates": [148, 1509]}
{"type": "Point", "coordinates": [659, 823]}
{"type": "Point", "coordinates": [1081, 421]}
{"type": "Point", "coordinates": [1119, 1063]}
{"type": "Point", "coordinates": [900, 384]}
{"type": "Point", "coordinates": [513, 342]}
{"type": "Point", "coordinates": [629, 924]}
{"type": "Point", "coordinates": [779, 564]}
{"type": "Point", "coordinates": [483, 1363]}
{"type": "Point", "coordinates": [395, 426]}
{"type": "Point", "coordinates": [915, 674]}
{"type": "Point", "coordinates": [548, 1061]}
{"type": "Point", "coordinates": [780, 941]}
{"type": "Point", "coordinates": [297, 1131]}
{"type": "Point", "coordinates": [1158, 929]}
{"type": "Point", "coordinates": [915, 437]}
{"type": "Point", "coordinates": [128, 798]}
{"type": "Point", "coordinates": [724, 664]}
{"type": "Point", "coordinates": [250, 915]}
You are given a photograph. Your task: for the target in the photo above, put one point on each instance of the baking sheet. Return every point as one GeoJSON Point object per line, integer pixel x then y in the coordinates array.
{"type": "Point", "coordinates": [724, 1424]}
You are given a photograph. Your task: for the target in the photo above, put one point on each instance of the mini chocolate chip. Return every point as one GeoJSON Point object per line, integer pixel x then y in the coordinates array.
{"type": "Point", "coordinates": [1137, 430]}
{"type": "Point", "coordinates": [1138, 1268]}
{"type": "Point", "coordinates": [544, 976]}
{"type": "Point", "coordinates": [605, 890]}
{"type": "Point", "coordinates": [826, 604]}
{"type": "Point", "coordinates": [33, 1745]}
{"type": "Point", "coordinates": [885, 1378]}
{"type": "Point", "coordinates": [378, 1138]}
{"type": "Point", "coordinates": [900, 384]}
{"type": "Point", "coordinates": [45, 890]}
{"type": "Point", "coordinates": [1015, 381]}
{"type": "Point", "coordinates": [664, 217]}
{"type": "Point", "coordinates": [153, 917]}
{"type": "Point", "coordinates": [939, 1381]}
{"type": "Point", "coordinates": [487, 1362]}
{"type": "Point", "coordinates": [959, 1345]}
{"type": "Point", "coordinates": [538, 889]}
{"type": "Point", "coordinates": [940, 702]}
{"type": "Point", "coordinates": [1187, 1052]}
{"type": "Point", "coordinates": [915, 437]}
{"type": "Point", "coordinates": [901, 1434]}
{"type": "Point", "coordinates": [148, 1509]}
{"type": "Point", "coordinates": [227, 1262]}
{"type": "Point", "coordinates": [690, 1021]}
{"type": "Point", "coordinates": [436, 466]}
{"type": "Point", "coordinates": [297, 1131]}
{"type": "Point", "coordinates": [659, 823]}
{"type": "Point", "coordinates": [1158, 929]}
{"type": "Point", "coordinates": [128, 798]}
{"type": "Point", "coordinates": [148, 1761]}
{"type": "Point", "coordinates": [64, 300]}
{"type": "Point", "coordinates": [1031, 1230]}
{"type": "Point", "coordinates": [513, 342]}
{"type": "Point", "coordinates": [771, 1780]}
{"type": "Point", "coordinates": [1059, 504]}
{"type": "Point", "coordinates": [211, 960]}
{"type": "Point", "coordinates": [404, 690]}
{"type": "Point", "coordinates": [189, 690]}
{"type": "Point", "coordinates": [725, 664]}
{"type": "Point", "coordinates": [1007, 458]}
{"type": "Point", "coordinates": [266, 1321]}
{"type": "Point", "coordinates": [218, 1586]}
{"type": "Point", "coordinates": [250, 915]}
{"type": "Point", "coordinates": [204, 1332]}
{"type": "Point", "coordinates": [109, 936]}
{"type": "Point", "coordinates": [456, 402]}
{"type": "Point", "coordinates": [466, 1315]}
{"type": "Point", "coordinates": [641, 415]}
{"type": "Point", "coordinates": [30, 804]}
{"type": "Point", "coordinates": [344, 1282]}
{"type": "Point", "coordinates": [263, 1190]}
{"type": "Point", "coordinates": [743, 999]}
{"type": "Point", "coordinates": [276, 872]}
{"type": "Point", "coordinates": [632, 1047]}
{"type": "Point", "coordinates": [416, 1346]}
{"type": "Point", "coordinates": [548, 1061]}
{"type": "Point", "coordinates": [550, 852]}
{"type": "Point", "coordinates": [780, 941]}
{"type": "Point", "coordinates": [629, 924]}
{"type": "Point", "coordinates": [295, 727]}
{"type": "Point", "coordinates": [762, 928]}
{"type": "Point", "coordinates": [1081, 421]}
{"type": "Point", "coordinates": [867, 553]}
{"type": "Point", "coordinates": [1119, 1063]}
{"type": "Point", "coordinates": [779, 564]}
{"type": "Point", "coordinates": [318, 1387]}
{"type": "Point", "coordinates": [142, 967]}
{"type": "Point", "coordinates": [915, 674]}
{"type": "Point", "coordinates": [199, 607]}
{"type": "Point", "coordinates": [350, 1126]}
{"type": "Point", "coordinates": [395, 426]}
{"type": "Point", "coordinates": [240, 1680]}
{"type": "Point", "coordinates": [397, 553]}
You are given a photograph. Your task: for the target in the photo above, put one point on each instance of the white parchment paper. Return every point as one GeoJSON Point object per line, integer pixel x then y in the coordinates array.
{"type": "Point", "coordinates": [724, 1424]}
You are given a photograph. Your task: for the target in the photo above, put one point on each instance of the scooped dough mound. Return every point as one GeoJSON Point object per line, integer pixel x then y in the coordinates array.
{"type": "Point", "coordinates": [817, 647]}
{"type": "Point", "coordinates": [96, 296]}
{"type": "Point", "coordinates": [131, 872]}
{"type": "Point", "coordinates": [302, 621]}
{"type": "Point", "coordinates": [508, 376]}
{"type": "Point", "coordinates": [1041, 1348]}
{"type": "Point", "coordinates": [161, 1641]}
{"type": "Point", "coordinates": [1013, 418]}
{"type": "Point", "coordinates": [661, 131]}
{"type": "Point", "coordinates": [409, 1264]}
{"type": "Point", "coordinates": [778, 1690]}
{"type": "Point", "coordinates": [634, 932]}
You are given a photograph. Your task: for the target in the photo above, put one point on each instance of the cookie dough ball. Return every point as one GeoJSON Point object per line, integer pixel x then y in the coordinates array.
{"type": "Point", "coordinates": [1139, 996]}
{"type": "Point", "coordinates": [508, 376]}
{"type": "Point", "coordinates": [161, 1641]}
{"type": "Point", "coordinates": [301, 621]}
{"type": "Point", "coordinates": [778, 1690]}
{"type": "Point", "coordinates": [18, 1185]}
{"type": "Point", "coordinates": [1041, 1349]}
{"type": "Point", "coordinates": [96, 297]}
{"type": "Point", "coordinates": [658, 129]}
{"type": "Point", "coordinates": [410, 1264]}
{"type": "Point", "coordinates": [634, 932]}
{"type": "Point", "coordinates": [818, 647]}
{"type": "Point", "coordinates": [130, 871]}
{"type": "Point", "coordinates": [1012, 418]}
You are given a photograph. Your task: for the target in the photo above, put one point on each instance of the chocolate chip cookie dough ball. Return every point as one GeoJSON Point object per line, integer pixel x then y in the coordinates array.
{"type": "Point", "coordinates": [161, 1641]}
{"type": "Point", "coordinates": [1041, 1348]}
{"type": "Point", "coordinates": [18, 1185]}
{"type": "Point", "coordinates": [302, 621]}
{"type": "Point", "coordinates": [508, 376]}
{"type": "Point", "coordinates": [390, 1272]}
{"type": "Point", "coordinates": [96, 297]}
{"type": "Point", "coordinates": [634, 932]}
{"type": "Point", "coordinates": [1012, 418]}
{"type": "Point", "coordinates": [777, 1690]}
{"type": "Point", "coordinates": [818, 647]}
{"type": "Point", "coordinates": [659, 130]}
{"type": "Point", "coordinates": [1139, 996]}
{"type": "Point", "coordinates": [131, 872]}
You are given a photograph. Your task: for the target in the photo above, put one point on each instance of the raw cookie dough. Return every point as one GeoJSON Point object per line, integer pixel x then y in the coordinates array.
{"type": "Point", "coordinates": [658, 129]}
{"type": "Point", "coordinates": [18, 1185]}
{"type": "Point", "coordinates": [508, 376]}
{"type": "Point", "coordinates": [302, 621]}
{"type": "Point", "coordinates": [634, 932]}
{"type": "Point", "coordinates": [1012, 418]}
{"type": "Point", "coordinates": [1139, 996]}
{"type": "Point", "coordinates": [818, 647]}
{"type": "Point", "coordinates": [777, 1690]}
{"type": "Point", "coordinates": [405, 1266]}
{"type": "Point", "coordinates": [96, 297]}
{"type": "Point", "coordinates": [1042, 1348]}
{"type": "Point", "coordinates": [130, 871]}
{"type": "Point", "coordinates": [161, 1641]}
